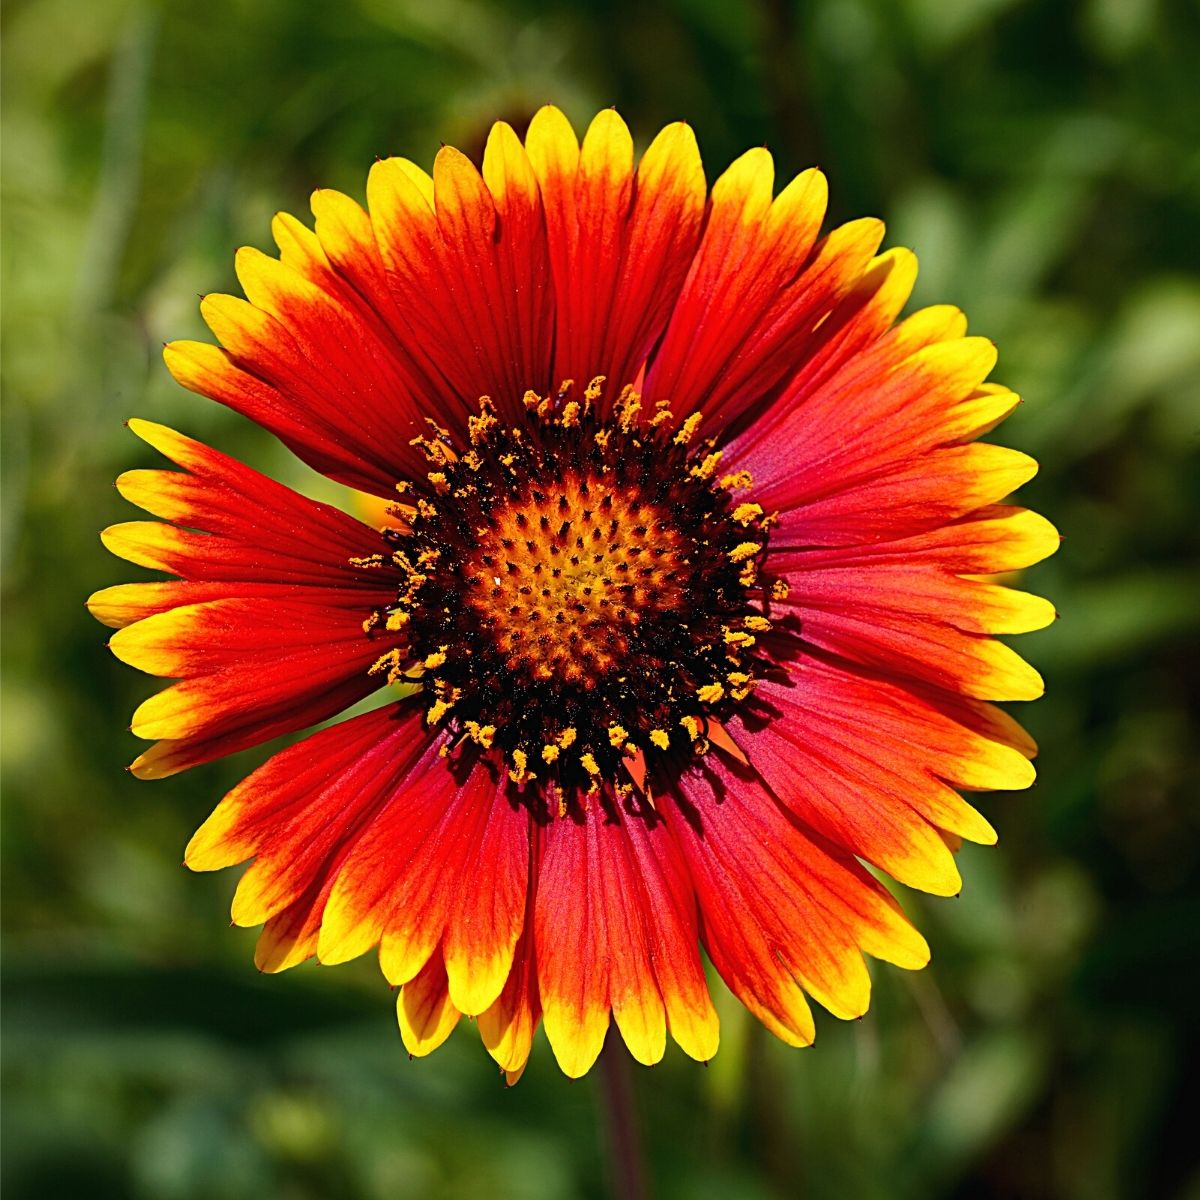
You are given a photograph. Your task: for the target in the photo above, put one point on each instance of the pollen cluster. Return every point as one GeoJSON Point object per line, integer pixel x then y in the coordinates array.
{"type": "Point", "coordinates": [580, 593]}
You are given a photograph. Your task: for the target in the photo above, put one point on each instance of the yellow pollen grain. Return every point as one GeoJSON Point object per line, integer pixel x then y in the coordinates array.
{"type": "Point", "coordinates": [370, 622]}
{"type": "Point", "coordinates": [617, 735]}
{"type": "Point", "coordinates": [740, 684]}
{"type": "Point", "coordinates": [566, 739]}
{"type": "Point", "coordinates": [662, 417]}
{"type": "Point", "coordinates": [710, 693]}
{"type": "Point", "coordinates": [520, 769]}
{"type": "Point", "coordinates": [659, 738]}
{"type": "Point", "coordinates": [368, 561]}
{"type": "Point", "coordinates": [436, 659]}
{"type": "Point", "coordinates": [531, 399]}
{"type": "Point", "coordinates": [426, 509]}
{"type": "Point", "coordinates": [550, 752]}
{"type": "Point", "coordinates": [437, 710]}
{"type": "Point", "coordinates": [589, 763]}
{"type": "Point", "coordinates": [744, 551]}
{"type": "Point", "coordinates": [687, 430]}
{"type": "Point", "coordinates": [691, 725]}
{"type": "Point", "coordinates": [745, 513]}
{"type": "Point", "coordinates": [707, 468]}
{"type": "Point", "coordinates": [758, 624]}
{"type": "Point", "coordinates": [440, 483]}
{"type": "Point", "coordinates": [592, 392]}
{"type": "Point", "coordinates": [481, 734]}
{"type": "Point", "coordinates": [736, 480]}
{"type": "Point", "coordinates": [628, 406]}
{"type": "Point", "coordinates": [403, 486]}
{"type": "Point", "coordinates": [601, 437]}
{"type": "Point", "coordinates": [385, 661]}
{"type": "Point", "coordinates": [780, 589]}
{"type": "Point", "coordinates": [570, 415]}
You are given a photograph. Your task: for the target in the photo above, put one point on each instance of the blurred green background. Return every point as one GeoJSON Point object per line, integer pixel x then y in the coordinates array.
{"type": "Point", "coordinates": [1041, 157]}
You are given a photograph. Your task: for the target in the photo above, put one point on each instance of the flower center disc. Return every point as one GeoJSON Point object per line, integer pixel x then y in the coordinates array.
{"type": "Point", "coordinates": [580, 593]}
{"type": "Point", "coordinates": [563, 579]}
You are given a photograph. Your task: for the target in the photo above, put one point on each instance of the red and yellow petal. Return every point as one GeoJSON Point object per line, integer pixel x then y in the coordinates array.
{"type": "Point", "coordinates": [877, 448]}
{"type": "Point", "coordinates": [905, 603]}
{"type": "Point", "coordinates": [403, 884]}
{"type": "Point", "coordinates": [759, 289]}
{"type": "Point", "coordinates": [125, 603]}
{"type": "Point", "coordinates": [913, 496]}
{"type": "Point", "coordinates": [653, 869]}
{"type": "Point", "coordinates": [211, 371]}
{"type": "Point", "coordinates": [252, 528]}
{"type": "Point", "coordinates": [992, 540]}
{"type": "Point", "coordinates": [306, 806]}
{"type": "Point", "coordinates": [616, 932]}
{"type": "Point", "coordinates": [249, 669]}
{"type": "Point", "coordinates": [783, 912]}
{"type": "Point", "coordinates": [572, 947]}
{"type": "Point", "coordinates": [458, 259]}
{"type": "Point", "coordinates": [621, 240]}
{"type": "Point", "coordinates": [888, 803]}
{"type": "Point", "coordinates": [507, 1026]}
{"type": "Point", "coordinates": [488, 915]}
{"type": "Point", "coordinates": [426, 1013]}
{"type": "Point", "coordinates": [289, 937]}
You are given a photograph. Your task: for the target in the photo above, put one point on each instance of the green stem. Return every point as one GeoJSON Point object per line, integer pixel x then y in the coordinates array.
{"type": "Point", "coordinates": [627, 1173]}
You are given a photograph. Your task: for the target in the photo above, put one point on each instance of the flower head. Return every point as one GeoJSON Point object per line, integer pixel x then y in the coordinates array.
{"type": "Point", "coordinates": [685, 573]}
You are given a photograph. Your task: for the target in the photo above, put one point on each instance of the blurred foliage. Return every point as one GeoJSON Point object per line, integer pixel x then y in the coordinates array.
{"type": "Point", "coordinates": [1041, 157]}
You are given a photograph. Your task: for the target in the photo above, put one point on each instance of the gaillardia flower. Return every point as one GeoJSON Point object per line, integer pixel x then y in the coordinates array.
{"type": "Point", "coordinates": [686, 578]}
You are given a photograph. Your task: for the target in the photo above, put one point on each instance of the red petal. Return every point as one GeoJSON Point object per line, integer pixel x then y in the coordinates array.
{"type": "Point", "coordinates": [781, 909]}
{"type": "Point", "coordinates": [757, 292]}
{"type": "Point", "coordinates": [305, 806]}
{"type": "Point", "coordinates": [253, 529]}
{"type": "Point", "coordinates": [424, 1009]}
{"type": "Point", "coordinates": [616, 930]}
{"type": "Point", "coordinates": [251, 669]}
{"type": "Point", "coordinates": [884, 802]}
{"type": "Point", "coordinates": [508, 1026]}
{"type": "Point", "coordinates": [620, 243]}
{"type": "Point", "coordinates": [402, 884]}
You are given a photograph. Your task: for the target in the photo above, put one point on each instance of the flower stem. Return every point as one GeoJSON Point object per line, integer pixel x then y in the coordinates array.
{"type": "Point", "coordinates": [627, 1173]}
